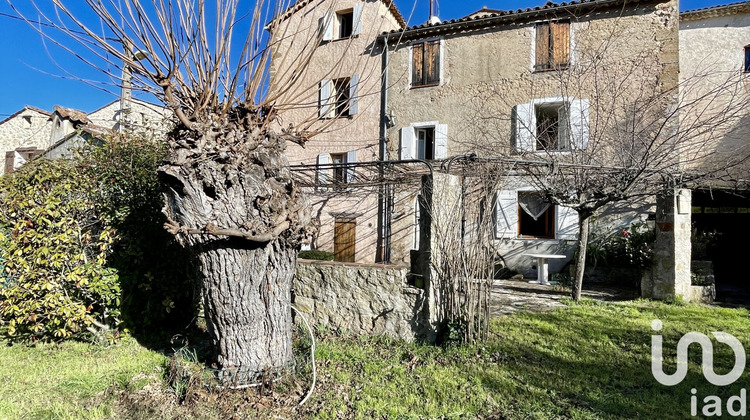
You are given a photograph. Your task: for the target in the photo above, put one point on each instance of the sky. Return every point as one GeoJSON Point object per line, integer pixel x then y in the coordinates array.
{"type": "Point", "coordinates": [37, 73]}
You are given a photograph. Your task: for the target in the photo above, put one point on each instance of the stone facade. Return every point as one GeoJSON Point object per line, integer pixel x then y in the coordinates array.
{"type": "Point", "coordinates": [714, 49]}
{"type": "Point", "coordinates": [487, 75]}
{"type": "Point", "coordinates": [670, 273]}
{"type": "Point", "coordinates": [359, 299]}
{"type": "Point", "coordinates": [305, 63]}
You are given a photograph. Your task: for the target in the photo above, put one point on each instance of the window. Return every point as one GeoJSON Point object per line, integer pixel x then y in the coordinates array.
{"type": "Point", "coordinates": [536, 217]}
{"type": "Point", "coordinates": [426, 141]}
{"type": "Point", "coordinates": [746, 67]}
{"type": "Point", "coordinates": [344, 239]}
{"type": "Point", "coordinates": [551, 124]}
{"type": "Point", "coordinates": [552, 46]}
{"type": "Point", "coordinates": [343, 24]}
{"type": "Point", "coordinates": [333, 169]}
{"type": "Point", "coordinates": [338, 97]}
{"type": "Point", "coordinates": [27, 121]}
{"type": "Point", "coordinates": [425, 63]}
{"type": "Point", "coordinates": [526, 214]}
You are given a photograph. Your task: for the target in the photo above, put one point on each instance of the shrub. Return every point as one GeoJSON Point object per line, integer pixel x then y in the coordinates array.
{"type": "Point", "coordinates": [627, 248]}
{"type": "Point", "coordinates": [314, 254]}
{"type": "Point", "coordinates": [83, 247]}
{"type": "Point", "coordinates": [54, 249]}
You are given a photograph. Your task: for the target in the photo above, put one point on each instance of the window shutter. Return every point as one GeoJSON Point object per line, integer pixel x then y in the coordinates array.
{"type": "Point", "coordinates": [560, 43]}
{"type": "Point", "coordinates": [432, 62]}
{"type": "Point", "coordinates": [357, 19]}
{"type": "Point", "coordinates": [323, 173]}
{"type": "Point", "coordinates": [506, 214]}
{"type": "Point", "coordinates": [579, 124]}
{"type": "Point", "coordinates": [10, 158]}
{"type": "Point", "coordinates": [408, 145]}
{"type": "Point", "coordinates": [354, 94]}
{"type": "Point", "coordinates": [417, 63]}
{"type": "Point", "coordinates": [441, 141]}
{"type": "Point", "coordinates": [567, 223]}
{"type": "Point", "coordinates": [325, 26]}
{"type": "Point", "coordinates": [542, 47]}
{"type": "Point", "coordinates": [525, 131]}
{"type": "Point", "coordinates": [563, 127]}
{"type": "Point", "coordinates": [351, 157]}
{"type": "Point", "coordinates": [324, 100]}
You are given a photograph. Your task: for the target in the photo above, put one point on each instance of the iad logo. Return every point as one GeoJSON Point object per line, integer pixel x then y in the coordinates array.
{"type": "Point", "coordinates": [712, 405]}
{"type": "Point", "coordinates": [708, 357]}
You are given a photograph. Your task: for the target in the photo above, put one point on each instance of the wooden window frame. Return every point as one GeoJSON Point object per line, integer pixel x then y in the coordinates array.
{"type": "Point", "coordinates": [549, 220]}
{"type": "Point", "coordinates": [419, 61]}
{"type": "Point", "coordinates": [340, 17]}
{"type": "Point", "coordinates": [746, 66]}
{"type": "Point", "coordinates": [552, 46]}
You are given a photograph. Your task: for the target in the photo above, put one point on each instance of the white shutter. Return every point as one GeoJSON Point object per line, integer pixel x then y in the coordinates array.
{"type": "Point", "coordinates": [441, 141]}
{"type": "Point", "coordinates": [323, 173]}
{"type": "Point", "coordinates": [408, 145]}
{"type": "Point", "coordinates": [354, 94]}
{"type": "Point", "coordinates": [324, 99]}
{"type": "Point", "coordinates": [563, 127]}
{"type": "Point", "coordinates": [525, 128]}
{"type": "Point", "coordinates": [325, 26]}
{"type": "Point", "coordinates": [579, 124]}
{"type": "Point", "coordinates": [567, 223]}
{"type": "Point", "coordinates": [357, 19]}
{"type": "Point", "coordinates": [351, 157]}
{"type": "Point", "coordinates": [506, 214]}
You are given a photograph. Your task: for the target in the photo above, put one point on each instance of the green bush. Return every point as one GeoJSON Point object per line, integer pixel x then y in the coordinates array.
{"type": "Point", "coordinates": [55, 248]}
{"type": "Point", "coordinates": [83, 248]}
{"type": "Point", "coordinates": [627, 248]}
{"type": "Point", "coordinates": [314, 254]}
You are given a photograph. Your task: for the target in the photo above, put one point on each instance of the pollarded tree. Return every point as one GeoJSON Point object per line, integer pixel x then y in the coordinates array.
{"type": "Point", "coordinates": [229, 194]}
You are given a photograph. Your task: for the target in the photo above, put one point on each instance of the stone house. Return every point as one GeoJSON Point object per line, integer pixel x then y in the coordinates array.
{"type": "Point", "coordinates": [714, 73]}
{"type": "Point", "coordinates": [23, 136]}
{"type": "Point", "coordinates": [529, 85]}
{"type": "Point", "coordinates": [33, 132]}
{"type": "Point", "coordinates": [326, 80]}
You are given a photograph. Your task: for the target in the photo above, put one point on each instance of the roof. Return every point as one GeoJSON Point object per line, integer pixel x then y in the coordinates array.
{"type": "Point", "coordinates": [483, 11]}
{"type": "Point", "coordinates": [72, 114]}
{"type": "Point", "coordinates": [493, 17]}
{"type": "Point", "coordinates": [27, 107]}
{"type": "Point", "coordinates": [716, 11]}
{"type": "Point", "coordinates": [302, 3]}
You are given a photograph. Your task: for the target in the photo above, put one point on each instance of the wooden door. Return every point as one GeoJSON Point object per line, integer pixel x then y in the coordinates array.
{"type": "Point", "coordinates": [344, 237]}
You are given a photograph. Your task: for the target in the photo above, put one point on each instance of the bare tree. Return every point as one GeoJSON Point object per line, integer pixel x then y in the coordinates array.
{"type": "Point", "coordinates": [229, 192]}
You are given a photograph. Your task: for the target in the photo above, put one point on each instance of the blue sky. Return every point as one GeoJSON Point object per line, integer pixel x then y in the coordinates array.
{"type": "Point", "coordinates": [36, 73]}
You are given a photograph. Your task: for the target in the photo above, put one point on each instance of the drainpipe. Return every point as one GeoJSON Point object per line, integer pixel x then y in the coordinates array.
{"type": "Point", "coordinates": [384, 206]}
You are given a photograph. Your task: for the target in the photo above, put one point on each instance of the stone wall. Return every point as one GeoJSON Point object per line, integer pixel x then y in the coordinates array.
{"type": "Point", "coordinates": [359, 299]}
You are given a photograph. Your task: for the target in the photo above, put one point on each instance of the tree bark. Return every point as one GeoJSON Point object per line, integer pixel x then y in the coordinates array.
{"type": "Point", "coordinates": [583, 240]}
{"type": "Point", "coordinates": [231, 200]}
{"type": "Point", "coordinates": [246, 294]}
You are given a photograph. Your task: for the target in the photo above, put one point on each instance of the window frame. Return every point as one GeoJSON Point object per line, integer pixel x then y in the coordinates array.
{"type": "Point", "coordinates": [425, 82]}
{"type": "Point", "coordinates": [549, 215]}
{"type": "Point", "coordinates": [341, 17]}
{"type": "Point", "coordinates": [574, 129]}
{"type": "Point", "coordinates": [746, 66]}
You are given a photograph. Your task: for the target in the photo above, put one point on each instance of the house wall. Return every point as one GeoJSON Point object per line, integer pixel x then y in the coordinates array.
{"type": "Point", "coordinates": [143, 116]}
{"type": "Point", "coordinates": [712, 58]}
{"type": "Point", "coordinates": [17, 131]}
{"type": "Point", "coordinates": [299, 63]}
{"type": "Point", "coordinates": [618, 58]}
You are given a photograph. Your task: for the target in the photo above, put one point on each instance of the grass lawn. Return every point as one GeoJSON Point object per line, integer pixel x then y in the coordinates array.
{"type": "Point", "coordinates": [590, 360]}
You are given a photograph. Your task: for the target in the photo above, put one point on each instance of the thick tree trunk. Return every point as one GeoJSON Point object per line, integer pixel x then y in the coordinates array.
{"type": "Point", "coordinates": [583, 240]}
{"type": "Point", "coordinates": [246, 292]}
{"type": "Point", "coordinates": [231, 199]}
